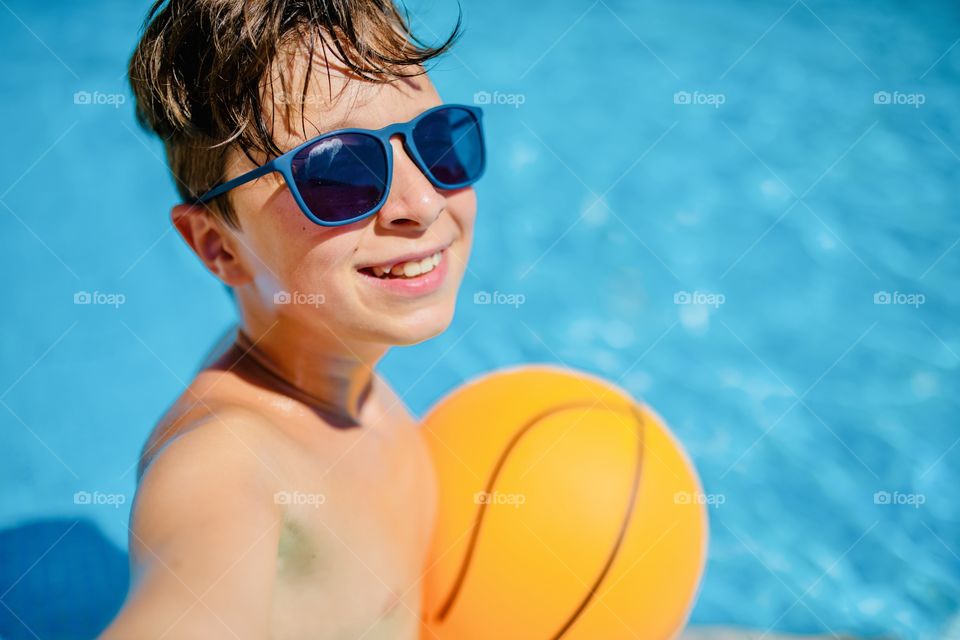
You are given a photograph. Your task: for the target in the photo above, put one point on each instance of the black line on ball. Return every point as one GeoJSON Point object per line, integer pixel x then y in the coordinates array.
{"type": "Point", "coordinates": [475, 533]}
{"type": "Point", "coordinates": [641, 437]}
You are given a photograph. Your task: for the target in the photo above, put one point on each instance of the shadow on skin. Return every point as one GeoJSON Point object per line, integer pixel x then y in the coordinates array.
{"type": "Point", "coordinates": [60, 579]}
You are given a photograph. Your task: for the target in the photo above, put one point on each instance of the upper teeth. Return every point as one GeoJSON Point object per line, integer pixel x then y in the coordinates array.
{"type": "Point", "coordinates": [409, 269]}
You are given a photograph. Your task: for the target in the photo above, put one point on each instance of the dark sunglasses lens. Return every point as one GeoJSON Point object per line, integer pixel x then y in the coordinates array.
{"type": "Point", "coordinates": [451, 145]}
{"type": "Point", "coordinates": [341, 177]}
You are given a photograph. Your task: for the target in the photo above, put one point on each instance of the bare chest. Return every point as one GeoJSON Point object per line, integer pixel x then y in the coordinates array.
{"type": "Point", "coordinates": [357, 523]}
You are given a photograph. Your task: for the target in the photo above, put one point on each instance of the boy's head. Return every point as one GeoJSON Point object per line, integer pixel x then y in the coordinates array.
{"type": "Point", "coordinates": [231, 84]}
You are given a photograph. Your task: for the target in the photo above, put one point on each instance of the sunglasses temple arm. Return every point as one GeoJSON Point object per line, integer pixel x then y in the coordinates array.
{"type": "Point", "coordinates": [236, 182]}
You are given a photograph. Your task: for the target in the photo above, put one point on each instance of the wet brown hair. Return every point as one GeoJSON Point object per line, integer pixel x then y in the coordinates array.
{"type": "Point", "coordinates": [202, 69]}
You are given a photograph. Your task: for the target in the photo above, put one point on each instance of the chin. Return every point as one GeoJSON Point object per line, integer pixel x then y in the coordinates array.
{"type": "Point", "coordinates": [416, 326]}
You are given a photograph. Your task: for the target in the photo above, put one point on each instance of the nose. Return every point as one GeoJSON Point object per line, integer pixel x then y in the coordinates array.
{"type": "Point", "coordinates": [413, 201]}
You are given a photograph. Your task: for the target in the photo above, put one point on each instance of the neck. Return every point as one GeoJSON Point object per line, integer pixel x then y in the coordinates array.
{"type": "Point", "coordinates": [320, 371]}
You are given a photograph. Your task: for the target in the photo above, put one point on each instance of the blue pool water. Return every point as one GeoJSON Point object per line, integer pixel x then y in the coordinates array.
{"type": "Point", "coordinates": [782, 197]}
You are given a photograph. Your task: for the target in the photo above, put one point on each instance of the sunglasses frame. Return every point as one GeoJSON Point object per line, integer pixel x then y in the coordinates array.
{"type": "Point", "coordinates": [283, 164]}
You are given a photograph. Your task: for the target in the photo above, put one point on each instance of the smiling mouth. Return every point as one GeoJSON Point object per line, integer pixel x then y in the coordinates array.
{"type": "Point", "coordinates": [404, 270]}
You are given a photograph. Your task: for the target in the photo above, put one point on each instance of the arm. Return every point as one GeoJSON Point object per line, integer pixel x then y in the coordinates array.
{"type": "Point", "coordinates": [203, 542]}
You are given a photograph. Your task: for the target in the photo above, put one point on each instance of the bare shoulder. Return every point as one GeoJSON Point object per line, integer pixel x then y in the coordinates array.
{"type": "Point", "coordinates": [211, 426]}
{"type": "Point", "coordinates": [224, 435]}
{"type": "Point", "coordinates": [220, 405]}
{"type": "Point", "coordinates": [204, 521]}
{"type": "Point", "coordinates": [224, 460]}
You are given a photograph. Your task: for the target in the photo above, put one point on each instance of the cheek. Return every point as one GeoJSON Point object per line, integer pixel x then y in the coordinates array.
{"type": "Point", "coordinates": [286, 251]}
{"type": "Point", "coordinates": [323, 266]}
{"type": "Point", "coordinates": [462, 206]}
{"type": "Point", "coordinates": [319, 262]}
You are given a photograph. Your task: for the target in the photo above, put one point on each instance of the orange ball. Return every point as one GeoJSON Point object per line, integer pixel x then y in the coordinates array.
{"type": "Point", "coordinates": [567, 510]}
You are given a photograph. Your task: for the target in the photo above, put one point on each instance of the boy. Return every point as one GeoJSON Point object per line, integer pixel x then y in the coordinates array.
{"type": "Point", "coordinates": [287, 493]}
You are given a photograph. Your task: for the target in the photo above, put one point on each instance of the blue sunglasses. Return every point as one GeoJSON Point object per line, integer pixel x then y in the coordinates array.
{"type": "Point", "coordinates": [344, 176]}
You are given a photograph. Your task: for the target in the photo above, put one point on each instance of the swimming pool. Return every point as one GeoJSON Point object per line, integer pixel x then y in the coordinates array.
{"type": "Point", "coordinates": [745, 214]}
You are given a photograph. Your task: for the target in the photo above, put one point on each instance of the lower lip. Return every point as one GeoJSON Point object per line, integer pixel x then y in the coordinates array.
{"type": "Point", "coordinates": [418, 286]}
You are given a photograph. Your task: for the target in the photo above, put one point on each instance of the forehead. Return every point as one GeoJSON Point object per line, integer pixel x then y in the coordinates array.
{"type": "Point", "coordinates": [335, 98]}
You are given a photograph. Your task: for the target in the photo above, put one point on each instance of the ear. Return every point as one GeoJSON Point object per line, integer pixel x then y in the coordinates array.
{"type": "Point", "coordinates": [212, 241]}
